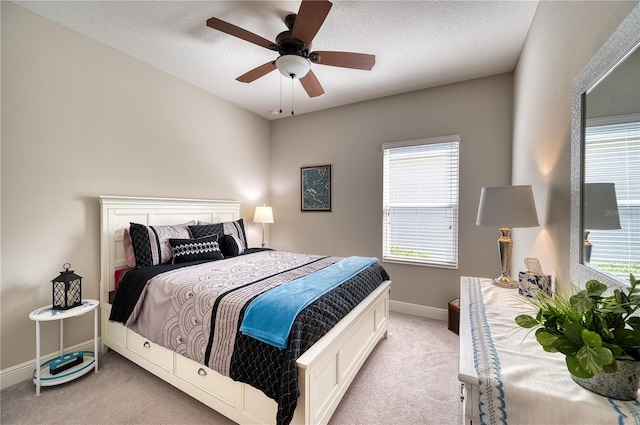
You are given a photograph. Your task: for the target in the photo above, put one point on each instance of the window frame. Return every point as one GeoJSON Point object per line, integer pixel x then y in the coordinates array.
{"type": "Point", "coordinates": [450, 146]}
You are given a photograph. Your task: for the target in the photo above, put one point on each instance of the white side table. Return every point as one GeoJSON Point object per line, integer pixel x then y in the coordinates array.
{"type": "Point", "coordinates": [42, 376]}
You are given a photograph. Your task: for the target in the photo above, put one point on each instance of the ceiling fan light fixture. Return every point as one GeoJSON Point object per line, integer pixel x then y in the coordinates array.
{"type": "Point", "coordinates": [293, 66]}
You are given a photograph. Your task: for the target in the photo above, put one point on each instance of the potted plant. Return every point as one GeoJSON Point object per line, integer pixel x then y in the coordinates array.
{"type": "Point", "coordinates": [599, 335]}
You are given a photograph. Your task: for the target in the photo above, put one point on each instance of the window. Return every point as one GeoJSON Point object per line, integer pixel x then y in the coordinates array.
{"type": "Point", "coordinates": [420, 201]}
{"type": "Point", "coordinates": [612, 155]}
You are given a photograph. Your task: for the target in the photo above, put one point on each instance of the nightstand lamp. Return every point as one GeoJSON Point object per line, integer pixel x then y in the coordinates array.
{"type": "Point", "coordinates": [263, 215]}
{"type": "Point", "coordinates": [600, 212]}
{"type": "Point", "coordinates": [506, 207]}
{"type": "Point", "coordinates": [67, 289]}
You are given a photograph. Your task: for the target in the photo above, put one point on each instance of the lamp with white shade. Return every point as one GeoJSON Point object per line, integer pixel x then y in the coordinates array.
{"type": "Point", "coordinates": [507, 207]}
{"type": "Point", "coordinates": [600, 212]}
{"type": "Point", "coordinates": [263, 215]}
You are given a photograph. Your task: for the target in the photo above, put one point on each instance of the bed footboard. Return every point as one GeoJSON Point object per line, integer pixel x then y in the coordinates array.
{"type": "Point", "coordinates": [325, 371]}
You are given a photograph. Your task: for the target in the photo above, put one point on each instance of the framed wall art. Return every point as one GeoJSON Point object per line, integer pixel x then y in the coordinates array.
{"type": "Point", "coordinates": [315, 183]}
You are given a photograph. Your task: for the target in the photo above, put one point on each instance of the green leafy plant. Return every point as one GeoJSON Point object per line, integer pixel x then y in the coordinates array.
{"type": "Point", "coordinates": [590, 329]}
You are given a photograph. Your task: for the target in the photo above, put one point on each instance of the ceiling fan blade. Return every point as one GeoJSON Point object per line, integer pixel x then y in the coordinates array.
{"type": "Point", "coordinates": [226, 27]}
{"type": "Point", "coordinates": [344, 59]}
{"type": "Point", "coordinates": [311, 84]}
{"type": "Point", "coordinates": [258, 72]}
{"type": "Point", "coordinates": [310, 17]}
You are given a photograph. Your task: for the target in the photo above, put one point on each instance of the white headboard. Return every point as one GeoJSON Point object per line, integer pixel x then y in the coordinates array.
{"type": "Point", "coordinates": [116, 212]}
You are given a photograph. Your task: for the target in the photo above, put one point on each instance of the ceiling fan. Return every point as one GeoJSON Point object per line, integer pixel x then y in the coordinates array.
{"type": "Point", "coordinates": [294, 48]}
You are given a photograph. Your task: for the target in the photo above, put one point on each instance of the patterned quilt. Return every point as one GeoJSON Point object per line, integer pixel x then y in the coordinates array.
{"type": "Point", "coordinates": [197, 310]}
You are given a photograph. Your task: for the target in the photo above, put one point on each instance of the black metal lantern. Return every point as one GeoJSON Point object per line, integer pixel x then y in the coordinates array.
{"type": "Point", "coordinates": [67, 289]}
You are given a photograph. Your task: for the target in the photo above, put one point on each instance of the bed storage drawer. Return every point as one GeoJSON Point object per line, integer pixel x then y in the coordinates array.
{"type": "Point", "coordinates": [150, 351]}
{"type": "Point", "coordinates": [207, 380]}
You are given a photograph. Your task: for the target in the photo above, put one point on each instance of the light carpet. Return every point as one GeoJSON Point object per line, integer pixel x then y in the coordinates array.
{"type": "Point", "coordinates": [410, 378]}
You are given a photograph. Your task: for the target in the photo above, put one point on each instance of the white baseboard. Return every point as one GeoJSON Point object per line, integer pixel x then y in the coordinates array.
{"type": "Point", "coordinates": [419, 310]}
{"type": "Point", "coordinates": [24, 371]}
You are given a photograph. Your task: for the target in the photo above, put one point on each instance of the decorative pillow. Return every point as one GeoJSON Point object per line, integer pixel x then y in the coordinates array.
{"type": "Point", "coordinates": [229, 246]}
{"type": "Point", "coordinates": [151, 243]}
{"type": "Point", "coordinates": [233, 229]}
{"type": "Point", "coordinates": [207, 230]}
{"type": "Point", "coordinates": [117, 275]}
{"type": "Point", "coordinates": [129, 256]}
{"type": "Point", "coordinates": [185, 250]}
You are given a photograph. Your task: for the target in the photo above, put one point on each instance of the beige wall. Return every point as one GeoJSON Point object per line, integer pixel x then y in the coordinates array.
{"type": "Point", "coordinates": [81, 120]}
{"type": "Point", "coordinates": [563, 38]}
{"type": "Point", "coordinates": [350, 139]}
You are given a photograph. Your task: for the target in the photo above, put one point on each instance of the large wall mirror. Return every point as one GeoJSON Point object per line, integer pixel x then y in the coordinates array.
{"type": "Point", "coordinates": [605, 161]}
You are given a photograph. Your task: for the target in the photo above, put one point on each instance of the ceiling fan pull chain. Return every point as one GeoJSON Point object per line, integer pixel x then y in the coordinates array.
{"type": "Point", "coordinates": [280, 94]}
{"type": "Point", "coordinates": [292, 76]}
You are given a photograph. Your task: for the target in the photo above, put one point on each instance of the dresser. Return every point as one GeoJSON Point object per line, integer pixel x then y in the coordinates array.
{"type": "Point", "coordinates": [509, 379]}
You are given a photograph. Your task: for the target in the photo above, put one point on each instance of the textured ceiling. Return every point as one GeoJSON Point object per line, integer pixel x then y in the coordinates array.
{"type": "Point", "coordinates": [418, 44]}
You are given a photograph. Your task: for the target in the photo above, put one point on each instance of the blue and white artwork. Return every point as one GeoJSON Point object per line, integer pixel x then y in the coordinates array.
{"type": "Point", "coordinates": [316, 188]}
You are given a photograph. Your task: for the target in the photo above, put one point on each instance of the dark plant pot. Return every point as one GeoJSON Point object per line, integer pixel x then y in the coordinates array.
{"type": "Point", "coordinates": [620, 385]}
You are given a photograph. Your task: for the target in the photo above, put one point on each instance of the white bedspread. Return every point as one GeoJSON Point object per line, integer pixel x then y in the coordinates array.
{"type": "Point", "coordinates": [520, 383]}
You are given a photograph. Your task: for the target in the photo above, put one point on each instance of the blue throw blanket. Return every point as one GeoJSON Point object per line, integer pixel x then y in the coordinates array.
{"type": "Point", "coordinates": [270, 316]}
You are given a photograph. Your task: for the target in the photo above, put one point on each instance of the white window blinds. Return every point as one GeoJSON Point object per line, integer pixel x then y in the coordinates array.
{"type": "Point", "coordinates": [612, 155]}
{"type": "Point", "coordinates": [420, 201]}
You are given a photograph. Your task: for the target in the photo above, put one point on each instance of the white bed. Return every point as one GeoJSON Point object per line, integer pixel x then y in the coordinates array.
{"type": "Point", "coordinates": [325, 371]}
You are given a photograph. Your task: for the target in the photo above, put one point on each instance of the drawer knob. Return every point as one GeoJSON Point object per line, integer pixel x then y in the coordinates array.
{"type": "Point", "coordinates": [146, 344]}
{"type": "Point", "coordinates": [202, 372]}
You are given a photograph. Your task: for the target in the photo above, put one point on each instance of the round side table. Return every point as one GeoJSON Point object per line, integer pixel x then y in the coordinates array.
{"type": "Point", "coordinates": [42, 376]}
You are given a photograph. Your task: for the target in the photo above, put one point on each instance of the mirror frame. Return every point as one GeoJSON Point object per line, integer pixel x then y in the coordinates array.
{"type": "Point", "coordinates": [621, 43]}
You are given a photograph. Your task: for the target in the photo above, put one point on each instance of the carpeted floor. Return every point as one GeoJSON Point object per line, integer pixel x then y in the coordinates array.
{"type": "Point", "coordinates": [410, 378]}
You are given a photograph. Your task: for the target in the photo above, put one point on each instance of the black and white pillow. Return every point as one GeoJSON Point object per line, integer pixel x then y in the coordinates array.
{"type": "Point", "coordinates": [186, 250]}
{"type": "Point", "coordinates": [151, 243]}
{"type": "Point", "coordinates": [203, 230]}
{"type": "Point", "coordinates": [231, 234]}
{"type": "Point", "coordinates": [229, 246]}
{"type": "Point", "coordinates": [235, 229]}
